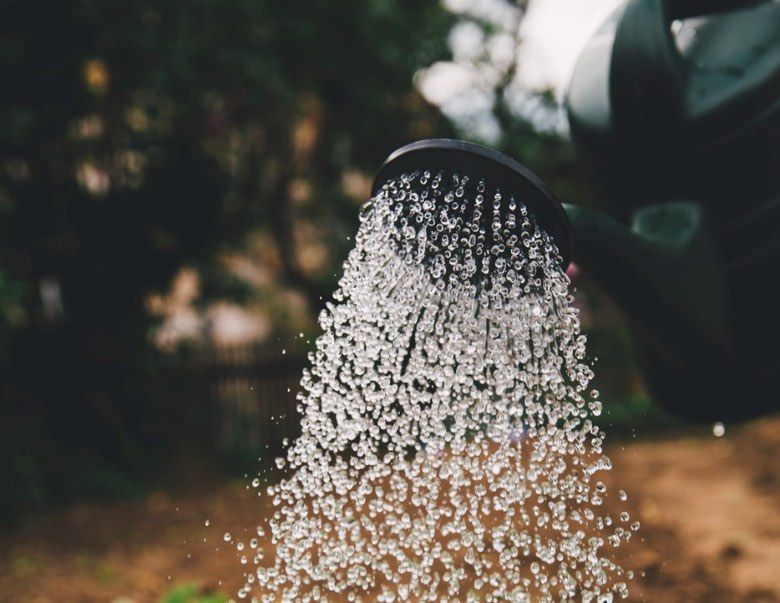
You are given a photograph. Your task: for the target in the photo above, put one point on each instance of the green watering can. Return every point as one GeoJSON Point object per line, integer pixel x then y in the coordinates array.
{"type": "Point", "coordinates": [674, 107]}
{"type": "Point", "coordinates": [678, 117]}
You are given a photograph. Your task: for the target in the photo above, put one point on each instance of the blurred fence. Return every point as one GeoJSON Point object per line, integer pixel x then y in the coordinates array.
{"type": "Point", "coordinates": [236, 399]}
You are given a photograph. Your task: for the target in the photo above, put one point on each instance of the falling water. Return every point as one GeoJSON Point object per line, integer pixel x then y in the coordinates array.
{"type": "Point", "coordinates": [448, 447]}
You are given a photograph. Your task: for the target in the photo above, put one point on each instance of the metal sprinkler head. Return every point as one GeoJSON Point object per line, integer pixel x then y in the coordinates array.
{"type": "Point", "coordinates": [482, 169]}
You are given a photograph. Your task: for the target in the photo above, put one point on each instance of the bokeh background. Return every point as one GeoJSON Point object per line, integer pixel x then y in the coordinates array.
{"type": "Point", "coordinates": [179, 184]}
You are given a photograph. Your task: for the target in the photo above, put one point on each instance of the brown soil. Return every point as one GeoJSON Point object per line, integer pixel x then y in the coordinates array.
{"type": "Point", "coordinates": [709, 507]}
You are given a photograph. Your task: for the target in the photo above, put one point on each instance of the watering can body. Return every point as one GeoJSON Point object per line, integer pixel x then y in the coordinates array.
{"type": "Point", "coordinates": [676, 114]}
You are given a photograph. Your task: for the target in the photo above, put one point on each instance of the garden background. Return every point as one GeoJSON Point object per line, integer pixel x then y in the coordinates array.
{"type": "Point", "coordinates": [179, 185]}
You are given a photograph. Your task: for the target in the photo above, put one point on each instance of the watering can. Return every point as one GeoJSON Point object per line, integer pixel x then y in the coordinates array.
{"type": "Point", "coordinates": [677, 115]}
{"type": "Point", "coordinates": [674, 107]}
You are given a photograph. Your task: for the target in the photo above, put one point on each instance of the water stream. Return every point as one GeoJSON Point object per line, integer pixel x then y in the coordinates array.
{"type": "Point", "coordinates": [449, 446]}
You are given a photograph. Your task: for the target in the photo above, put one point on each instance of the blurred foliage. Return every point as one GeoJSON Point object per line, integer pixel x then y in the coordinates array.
{"type": "Point", "coordinates": [11, 294]}
{"type": "Point", "coordinates": [191, 594]}
{"type": "Point", "coordinates": [140, 137]}
{"type": "Point", "coordinates": [627, 405]}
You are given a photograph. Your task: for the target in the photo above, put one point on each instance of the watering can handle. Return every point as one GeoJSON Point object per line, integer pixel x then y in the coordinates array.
{"type": "Point", "coordinates": [647, 73]}
{"type": "Point", "coordinates": [683, 9]}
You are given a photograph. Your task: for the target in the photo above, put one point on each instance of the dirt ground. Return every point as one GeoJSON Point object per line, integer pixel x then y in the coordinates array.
{"type": "Point", "coordinates": [709, 507]}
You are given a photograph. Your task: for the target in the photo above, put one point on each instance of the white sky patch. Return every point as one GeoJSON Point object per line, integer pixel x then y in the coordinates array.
{"type": "Point", "coordinates": [496, 12]}
{"type": "Point", "coordinates": [552, 36]}
{"type": "Point", "coordinates": [546, 45]}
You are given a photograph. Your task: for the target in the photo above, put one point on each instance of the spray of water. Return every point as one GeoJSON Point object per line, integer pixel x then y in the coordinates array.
{"type": "Point", "coordinates": [448, 447]}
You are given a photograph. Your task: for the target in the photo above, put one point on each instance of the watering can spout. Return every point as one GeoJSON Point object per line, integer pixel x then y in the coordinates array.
{"type": "Point", "coordinates": [663, 271]}
{"type": "Point", "coordinates": [666, 259]}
